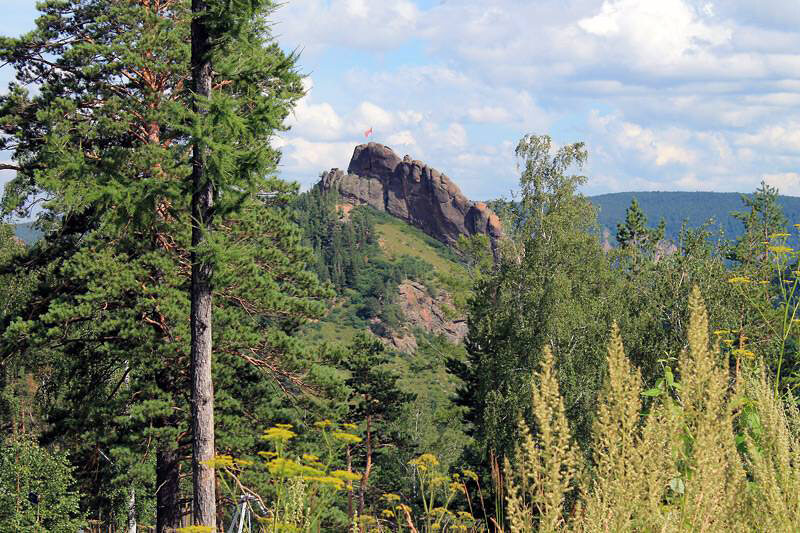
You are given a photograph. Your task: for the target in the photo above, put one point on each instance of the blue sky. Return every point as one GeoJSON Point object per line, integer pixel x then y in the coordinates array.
{"type": "Point", "coordinates": [667, 94]}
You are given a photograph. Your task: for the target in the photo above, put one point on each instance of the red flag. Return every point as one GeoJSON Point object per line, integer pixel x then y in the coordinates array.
{"type": "Point", "coordinates": [368, 132]}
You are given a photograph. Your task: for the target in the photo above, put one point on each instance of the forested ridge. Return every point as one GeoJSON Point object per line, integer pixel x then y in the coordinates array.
{"type": "Point", "coordinates": [677, 207]}
{"type": "Point", "coordinates": [193, 345]}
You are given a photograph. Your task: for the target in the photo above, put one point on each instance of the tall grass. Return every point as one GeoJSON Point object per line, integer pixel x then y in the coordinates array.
{"type": "Point", "coordinates": [716, 451]}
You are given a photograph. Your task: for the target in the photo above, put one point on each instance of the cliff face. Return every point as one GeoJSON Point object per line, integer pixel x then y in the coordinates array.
{"type": "Point", "coordinates": [412, 191]}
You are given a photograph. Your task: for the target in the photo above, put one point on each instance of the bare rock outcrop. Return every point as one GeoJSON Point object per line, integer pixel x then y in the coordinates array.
{"type": "Point", "coordinates": [412, 191]}
{"type": "Point", "coordinates": [424, 311]}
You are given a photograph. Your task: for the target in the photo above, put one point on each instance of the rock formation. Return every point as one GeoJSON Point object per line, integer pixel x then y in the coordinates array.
{"type": "Point", "coordinates": [412, 191]}
{"type": "Point", "coordinates": [428, 313]}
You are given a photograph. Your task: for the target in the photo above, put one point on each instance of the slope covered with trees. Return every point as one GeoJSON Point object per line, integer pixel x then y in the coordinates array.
{"type": "Point", "coordinates": [677, 207]}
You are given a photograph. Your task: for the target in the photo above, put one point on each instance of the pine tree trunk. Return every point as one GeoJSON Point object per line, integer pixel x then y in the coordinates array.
{"type": "Point", "coordinates": [202, 204]}
{"type": "Point", "coordinates": [168, 491]}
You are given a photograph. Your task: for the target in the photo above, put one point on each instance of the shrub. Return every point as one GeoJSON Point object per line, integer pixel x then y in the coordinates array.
{"type": "Point", "coordinates": [36, 489]}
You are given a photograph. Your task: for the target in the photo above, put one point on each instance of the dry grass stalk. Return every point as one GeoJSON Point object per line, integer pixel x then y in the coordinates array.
{"type": "Point", "coordinates": [680, 470]}
{"type": "Point", "coordinates": [548, 463]}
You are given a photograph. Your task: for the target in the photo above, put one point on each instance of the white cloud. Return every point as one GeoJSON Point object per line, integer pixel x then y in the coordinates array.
{"type": "Point", "coordinates": [657, 33]}
{"type": "Point", "coordinates": [786, 182]}
{"type": "Point", "coordinates": [369, 115]}
{"type": "Point", "coordinates": [692, 93]}
{"type": "Point", "coordinates": [371, 25]}
{"type": "Point", "coordinates": [489, 114]}
{"type": "Point", "coordinates": [658, 148]}
{"type": "Point", "coordinates": [304, 160]}
{"type": "Point", "coordinates": [455, 136]}
{"type": "Point", "coordinates": [402, 138]}
{"type": "Point", "coordinates": [315, 121]}
{"type": "Point", "coordinates": [774, 137]}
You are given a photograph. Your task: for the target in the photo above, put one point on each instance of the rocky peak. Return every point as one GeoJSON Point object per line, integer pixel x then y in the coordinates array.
{"type": "Point", "coordinates": [411, 190]}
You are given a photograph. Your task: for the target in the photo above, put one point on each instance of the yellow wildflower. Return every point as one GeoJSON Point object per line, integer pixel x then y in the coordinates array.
{"type": "Point", "coordinates": [310, 457]}
{"type": "Point", "coordinates": [781, 249]}
{"type": "Point", "coordinates": [322, 424]}
{"type": "Point", "coordinates": [284, 467]}
{"type": "Point", "coordinates": [219, 461]}
{"type": "Point", "coordinates": [721, 331]}
{"type": "Point", "coordinates": [387, 513]}
{"type": "Point", "coordinates": [391, 497]}
{"type": "Point", "coordinates": [278, 433]}
{"type": "Point", "coordinates": [345, 475]}
{"type": "Point", "coordinates": [347, 437]}
{"type": "Point", "coordinates": [741, 352]}
{"type": "Point", "coordinates": [327, 480]}
{"type": "Point", "coordinates": [470, 474]}
{"type": "Point", "coordinates": [350, 426]}
{"type": "Point", "coordinates": [455, 486]}
{"type": "Point", "coordinates": [424, 461]}
{"type": "Point", "coordinates": [739, 279]}
{"type": "Point", "coordinates": [776, 235]}
{"type": "Point", "coordinates": [438, 480]}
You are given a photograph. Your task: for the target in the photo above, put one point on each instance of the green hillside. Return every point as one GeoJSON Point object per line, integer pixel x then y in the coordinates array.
{"type": "Point", "coordinates": [366, 255]}
{"type": "Point", "coordinates": [675, 207]}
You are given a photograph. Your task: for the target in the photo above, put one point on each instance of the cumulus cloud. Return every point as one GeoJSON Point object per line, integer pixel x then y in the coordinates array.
{"type": "Point", "coordinates": [786, 182]}
{"type": "Point", "coordinates": [315, 121]}
{"type": "Point", "coordinates": [657, 33]}
{"type": "Point", "coordinates": [489, 114]}
{"type": "Point", "coordinates": [314, 25]}
{"type": "Point", "coordinates": [668, 94]}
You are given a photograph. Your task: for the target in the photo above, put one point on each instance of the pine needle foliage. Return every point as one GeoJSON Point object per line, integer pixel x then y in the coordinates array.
{"type": "Point", "coordinates": [712, 453]}
{"type": "Point", "coordinates": [103, 147]}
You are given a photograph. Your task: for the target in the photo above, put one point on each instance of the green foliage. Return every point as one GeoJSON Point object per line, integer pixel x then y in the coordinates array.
{"type": "Point", "coordinates": [374, 401]}
{"type": "Point", "coordinates": [366, 255]}
{"type": "Point", "coordinates": [635, 237]}
{"type": "Point", "coordinates": [106, 139]}
{"type": "Point", "coordinates": [552, 280]}
{"type": "Point", "coordinates": [762, 218]}
{"type": "Point", "coordinates": [37, 491]}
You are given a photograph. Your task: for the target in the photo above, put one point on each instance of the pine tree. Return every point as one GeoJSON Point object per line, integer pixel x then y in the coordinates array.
{"type": "Point", "coordinates": [374, 402]}
{"type": "Point", "coordinates": [763, 217]}
{"type": "Point", "coordinates": [636, 235]}
{"type": "Point", "coordinates": [106, 142]}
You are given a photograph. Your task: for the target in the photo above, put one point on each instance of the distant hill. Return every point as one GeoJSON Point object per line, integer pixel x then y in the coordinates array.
{"type": "Point", "coordinates": [675, 207]}
{"type": "Point", "coordinates": [27, 232]}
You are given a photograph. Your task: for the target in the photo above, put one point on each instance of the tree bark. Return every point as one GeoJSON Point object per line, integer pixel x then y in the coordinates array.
{"type": "Point", "coordinates": [202, 271]}
{"type": "Point", "coordinates": [168, 491]}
